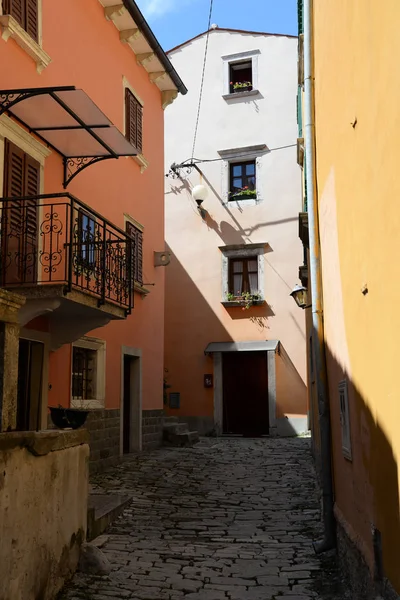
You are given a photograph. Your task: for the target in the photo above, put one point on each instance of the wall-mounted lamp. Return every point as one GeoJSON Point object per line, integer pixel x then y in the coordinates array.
{"type": "Point", "coordinates": [300, 296]}
{"type": "Point", "coordinates": [199, 193]}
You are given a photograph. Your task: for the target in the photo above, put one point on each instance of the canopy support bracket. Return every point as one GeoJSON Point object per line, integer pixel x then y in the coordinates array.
{"type": "Point", "coordinates": [73, 166]}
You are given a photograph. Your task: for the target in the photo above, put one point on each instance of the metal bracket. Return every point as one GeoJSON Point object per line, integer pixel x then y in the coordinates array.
{"type": "Point", "coordinates": [73, 166]}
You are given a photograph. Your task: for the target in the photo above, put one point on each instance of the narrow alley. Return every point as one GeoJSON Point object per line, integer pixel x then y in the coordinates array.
{"type": "Point", "coordinates": [228, 519]}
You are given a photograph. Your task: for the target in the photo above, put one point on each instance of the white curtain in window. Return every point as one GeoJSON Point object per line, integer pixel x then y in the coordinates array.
{"type": "Point", "coordinates": [253, 276]}
{"type": "Point", "coordinates": [237, 278]}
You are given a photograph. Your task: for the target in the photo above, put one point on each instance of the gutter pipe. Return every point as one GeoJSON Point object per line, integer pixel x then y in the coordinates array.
{"type": "Point", "coordinates": [329, 540]}
{"type": "Point", "coordinates": [142, 24]}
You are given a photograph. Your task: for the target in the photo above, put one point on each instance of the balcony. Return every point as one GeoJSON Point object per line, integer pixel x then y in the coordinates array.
{"type": "Point", "coordinates": [72, 264]}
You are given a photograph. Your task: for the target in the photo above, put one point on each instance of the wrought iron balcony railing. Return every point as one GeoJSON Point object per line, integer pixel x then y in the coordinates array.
{"type": "Point", "coordinates": [56, 239]}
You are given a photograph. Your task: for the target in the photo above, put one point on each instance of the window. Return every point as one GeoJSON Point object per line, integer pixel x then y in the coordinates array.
{"type": "Point", "coordinates": [137, 251]}
{"type": "Point", "coordinates": [83, 373]}
{"type": "Point", "coordinates": [25, 12]}
{"type": "Point", "coordinates": [133, 120]}
{"type": "Point", "coordinates": [242, 180]}
{"type": "Point", "coordinates": [345, 419]}
{"type": "Point", "coordinates": [243, 276]}
{"type": "Point", "coordinates": [240, 76]}
{"type": "Point", "coordinates": [86, 239]}
{"type": "Point", "coordinates": [242, 272]}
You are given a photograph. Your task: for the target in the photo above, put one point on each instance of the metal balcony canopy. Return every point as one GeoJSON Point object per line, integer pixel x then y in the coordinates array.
{"type": "Point", "coordinates": [255, 346]}
{"type": "Point", "coordinates": [68, 121]}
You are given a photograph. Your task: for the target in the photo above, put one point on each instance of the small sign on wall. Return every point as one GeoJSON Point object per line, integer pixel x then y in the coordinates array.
{"type": "Point", "coordinates": [208, 381]}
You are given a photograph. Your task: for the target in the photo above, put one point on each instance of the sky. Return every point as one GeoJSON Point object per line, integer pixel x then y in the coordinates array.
{"type": "Point", "coordinates": [175, 21]}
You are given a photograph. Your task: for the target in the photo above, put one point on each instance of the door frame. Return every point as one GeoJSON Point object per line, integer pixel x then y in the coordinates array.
{"type": "Point", "coordinates": [45, 338]}
{"type": "Point", "coordinates": [219, 395]}
{"type": "Point", "coordinates": [136, 399]}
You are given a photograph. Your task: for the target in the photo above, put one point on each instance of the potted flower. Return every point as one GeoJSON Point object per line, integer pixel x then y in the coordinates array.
{"type": "Point", "coordinates": [68, 418]}
{"type": "Point", "coordinates": [241, 86]}
{"type": "Point", "coordinates": [244, 299]}
{"type": "Point", "coordinates": [245, 193]}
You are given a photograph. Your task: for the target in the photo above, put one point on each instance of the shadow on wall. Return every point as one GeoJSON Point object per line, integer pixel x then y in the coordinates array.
{"type": "Point", "coordinates": [366, 492]}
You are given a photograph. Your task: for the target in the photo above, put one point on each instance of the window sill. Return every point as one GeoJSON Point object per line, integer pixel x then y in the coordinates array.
{"type": "Point", "coordinates": [141, 161]}
{"type": "Point", "coordinates": [140, 289]}
{"type": "Point", "coordinates": [87, 404]}
{"type": "Point", "coordinates": [11, 28]}
{"type": "Point", "coordinates": [235, 303]}
{"type": "Point", "coordinates": [240, 95]}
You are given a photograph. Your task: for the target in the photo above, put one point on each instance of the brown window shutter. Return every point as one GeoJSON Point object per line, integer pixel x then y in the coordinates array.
{"type": "Point", "coordinates": [15, 8]}
{"type": "Point", "coordinates": [137, 251]}
{"type": "Point", "coordinates": [31, 18]}
{"type": "Point", "coordinates": [139, 256]}
{"type": "Point", "coordinates": [139, 127]}
{"type": "Point", "coordinates": [32, 188]}
{"type": "Point", "coordinates": [133, 120]}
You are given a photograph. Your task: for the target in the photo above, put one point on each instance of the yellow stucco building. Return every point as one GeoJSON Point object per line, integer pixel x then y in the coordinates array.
{"type": "Point", "coordinates": [349, 125]}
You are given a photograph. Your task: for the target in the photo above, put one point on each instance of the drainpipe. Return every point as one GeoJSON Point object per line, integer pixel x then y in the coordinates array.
{"type": "Point", "coordinates": [329, 540]}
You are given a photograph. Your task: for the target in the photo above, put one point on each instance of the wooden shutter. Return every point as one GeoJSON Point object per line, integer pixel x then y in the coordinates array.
{"type": "Point", "coordinates": [139, 256]}
{"type": "Point", "coordinates": [19, 218]}
{"type": "Point", "coordinates": [32, 188]}
{"type": "Point", "coordinates": [139, 126]}
{"type": "Point", "coordinates": [31, 18]}
{"type": "Point", "coordinates": [137, 253]}
{"type": "Point", "coordinates": [15, 8]}
{"type": "Point", "coordinates": [133, 120]}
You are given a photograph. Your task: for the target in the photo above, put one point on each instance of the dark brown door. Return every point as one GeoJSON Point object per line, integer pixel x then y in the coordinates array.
{"type": "Point", "coordinates": [245, 393]}
{"type": "Point", "coordinates": [30, 368]}
{"type": "Point", "coordinates": [19, 218]}
{"type": "Point", "coordinates": [127, 405]}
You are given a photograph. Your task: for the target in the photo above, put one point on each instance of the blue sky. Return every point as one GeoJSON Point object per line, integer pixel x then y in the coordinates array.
{"type": "Point", "coordinates": [175, 21]}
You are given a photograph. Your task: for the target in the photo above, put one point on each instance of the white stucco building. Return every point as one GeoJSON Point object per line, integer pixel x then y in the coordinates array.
{"type": "Point", "coordinates": [235, 341]}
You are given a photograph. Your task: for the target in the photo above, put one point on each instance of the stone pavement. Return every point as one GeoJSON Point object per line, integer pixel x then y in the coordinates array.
{"type": "Point", "coordinates": [229, 519]}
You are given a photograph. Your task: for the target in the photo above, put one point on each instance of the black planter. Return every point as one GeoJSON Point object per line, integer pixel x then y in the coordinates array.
{"type": "Point", "coordinates": [66, 418]}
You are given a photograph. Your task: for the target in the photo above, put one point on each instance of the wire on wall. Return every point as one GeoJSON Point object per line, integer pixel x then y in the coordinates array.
{"type": "Point", "coordinates": [202, 79]}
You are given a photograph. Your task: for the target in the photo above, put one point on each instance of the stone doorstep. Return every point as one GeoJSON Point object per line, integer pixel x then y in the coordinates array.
{"type": "Point", "coordinates": [103, 509]}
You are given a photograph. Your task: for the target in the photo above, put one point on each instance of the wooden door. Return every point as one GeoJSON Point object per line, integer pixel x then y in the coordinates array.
{"type": "Point", "coordinates": [30, 369]}
{"type": "Point", "coordinates": [127, 412]}
{"type": "Point", "coordinates": [19, 218]}
{"type": "Point", "coordinates": [245, 393]}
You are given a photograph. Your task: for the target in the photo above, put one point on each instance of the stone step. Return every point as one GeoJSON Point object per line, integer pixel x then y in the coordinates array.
{"type": "Point", "coordinates": [187, 438]}
{"type": "Point", "coordinates": [103, 509]}
{"type": "Point", "coordinates": [175, 428]}
{"type": "Point", "coordinates": [171, 420]}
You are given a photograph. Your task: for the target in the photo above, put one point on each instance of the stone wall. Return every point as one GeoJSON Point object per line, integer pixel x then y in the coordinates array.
{"type": "Point", "coordinates": [356, 573]}
{"type": "Point", "coordinates": [104, 432]}
{"type": "Point", "coordinates": [152, 425]}
{"type": "Point", "coordinates": [43, 510]}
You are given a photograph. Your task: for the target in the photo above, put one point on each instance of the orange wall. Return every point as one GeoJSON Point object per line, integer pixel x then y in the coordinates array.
{"type": "Point", "coordinates": [86, 52]}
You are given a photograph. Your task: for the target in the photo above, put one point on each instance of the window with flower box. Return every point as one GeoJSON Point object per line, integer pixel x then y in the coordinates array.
{"type": "Point", "coordinates": [240, 76]}
{"type": "Point", "coordinates": [242, 181]}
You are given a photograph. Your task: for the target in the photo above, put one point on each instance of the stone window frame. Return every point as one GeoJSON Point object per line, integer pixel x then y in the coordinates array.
{"type": "Point", "coordinates": [99, 346]}
{"type": "Point", "coordinates": [227, 60]}
{"type": "Point", "coordinates": [242, 251]}
{"type": "Point", "coordinates": [237, 155]}
{"type": "Point", "coordinates": [140, 159]}
{"type": "Point", "coordinates": [10, 28]}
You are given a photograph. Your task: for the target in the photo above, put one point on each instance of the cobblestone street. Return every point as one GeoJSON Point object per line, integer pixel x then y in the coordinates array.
{"type": "Point", "coordinates": [227, 519]}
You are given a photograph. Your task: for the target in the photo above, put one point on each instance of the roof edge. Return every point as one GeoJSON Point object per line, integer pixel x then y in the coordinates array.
{"type": "Point", "coordinates": [233, 31]}
{"type": "Point", "coordinates": [142, 24]}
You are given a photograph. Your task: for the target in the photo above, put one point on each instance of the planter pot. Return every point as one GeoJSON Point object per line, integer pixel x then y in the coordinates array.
{"type": "Point", "coordinates": [243, 89]}
{"type": "Point", "coordinates": [66, 418]}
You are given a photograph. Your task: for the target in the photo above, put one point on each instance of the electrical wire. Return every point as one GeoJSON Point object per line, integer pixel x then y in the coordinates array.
{"type": "Point", "coordinates": [202, 79]}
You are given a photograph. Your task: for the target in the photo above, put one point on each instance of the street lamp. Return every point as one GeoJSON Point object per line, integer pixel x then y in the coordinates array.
{"type": "Point", "coordinates": [199, 193]}
{"type": "Point", "coordinates": [299, 294]}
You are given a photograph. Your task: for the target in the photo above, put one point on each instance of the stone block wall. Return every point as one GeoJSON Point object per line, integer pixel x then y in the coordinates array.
{"type": "Point", "coordinates": [152, 426]}
{"type": "Point", "coordinates": [43, 510]}
{"type": "Point", "coordinates": [104, 432]}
